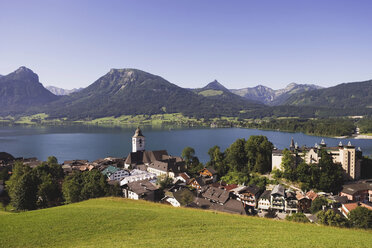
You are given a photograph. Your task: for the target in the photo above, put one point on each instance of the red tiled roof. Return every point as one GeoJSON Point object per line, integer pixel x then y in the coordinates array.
{"type": "Point", "coordinates": [312, 195]}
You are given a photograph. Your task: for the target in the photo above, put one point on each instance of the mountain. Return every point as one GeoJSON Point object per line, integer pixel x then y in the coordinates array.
{"type": "Point", "coordinates": [21, 90]}
{"type": "Point", "coordinates": [132, 91]}
{"type": "Point", "coordinates": [272, 97]}
{"type": "Point", "coordinates": [354, 95]}
{"type": "Point", "coordinates": [62, 92]}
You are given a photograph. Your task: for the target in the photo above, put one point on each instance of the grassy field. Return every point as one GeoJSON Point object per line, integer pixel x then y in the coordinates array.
{"type": "Point", "coordinates": [117, 222]}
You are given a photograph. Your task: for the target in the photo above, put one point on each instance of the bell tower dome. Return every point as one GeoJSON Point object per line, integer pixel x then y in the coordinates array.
{"type": "Point", "coordinates": [138, 141]}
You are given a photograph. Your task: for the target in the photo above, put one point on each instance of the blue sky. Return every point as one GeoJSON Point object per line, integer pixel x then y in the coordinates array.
{"type": "Point", "coordinates": [190, 42]}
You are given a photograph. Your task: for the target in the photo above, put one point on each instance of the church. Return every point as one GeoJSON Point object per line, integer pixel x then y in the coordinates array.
{"type": "Point", "coordinates": [157, 162]}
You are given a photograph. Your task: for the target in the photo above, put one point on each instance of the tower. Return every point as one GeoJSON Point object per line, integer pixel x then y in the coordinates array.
{"type": "Point", "coordinates": [138, 141]}
{"type": "Point", "coordinates": [292, 145]}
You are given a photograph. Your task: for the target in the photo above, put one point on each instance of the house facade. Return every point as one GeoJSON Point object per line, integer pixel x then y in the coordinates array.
{"type": "Point", "coordinates": [277, 198]}
{"type": "Point", "coordinates": [346, 155]}
{"type": "Point", "coordinates": [264, 200]}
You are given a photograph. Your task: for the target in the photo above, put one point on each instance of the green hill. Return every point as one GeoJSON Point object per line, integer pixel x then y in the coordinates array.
{"type": "Point", "coordinates": [117, 222]}
{"type": "Point", "coordinates": [346, 96]}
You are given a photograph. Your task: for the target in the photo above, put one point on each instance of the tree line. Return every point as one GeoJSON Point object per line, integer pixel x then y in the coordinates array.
{"type": "Point", "coordinates": [46, 186]}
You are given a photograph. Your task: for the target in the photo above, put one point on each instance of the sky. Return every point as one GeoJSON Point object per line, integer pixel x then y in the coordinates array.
{"type": "Point", "coordinates": [71, 43]}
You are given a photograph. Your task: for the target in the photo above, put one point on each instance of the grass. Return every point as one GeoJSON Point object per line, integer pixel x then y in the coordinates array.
{"type": "Point", "coordinates": [211, 92]}
{"type": "Point", "coordinates": [118, 222]}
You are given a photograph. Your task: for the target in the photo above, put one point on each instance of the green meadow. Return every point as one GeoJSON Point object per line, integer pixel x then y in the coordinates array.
{"type": "Point", "coordinates": [118, 222]}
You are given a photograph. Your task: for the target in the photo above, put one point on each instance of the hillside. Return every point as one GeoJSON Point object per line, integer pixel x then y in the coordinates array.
{"type": "Point", "coordinates": [272, 97]}
{"type": "Point", "coordinates": [117, 222]}
{"type": "Point", "coordinates": [62, 92]}
{"type": "Point", "coordinates": [347, 95]}
{"type": "Point", "coordinates": [132, 92]}
{"type": "Point", "coordinates": [21, 90]}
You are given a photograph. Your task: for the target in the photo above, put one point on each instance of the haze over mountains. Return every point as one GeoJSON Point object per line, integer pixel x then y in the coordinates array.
{"type": "Point", "coordinates": [132, 92]}
{"type": "Point", "coordinates": [274, 97]}
{"type": "Point", "coordinates": [61, 92]}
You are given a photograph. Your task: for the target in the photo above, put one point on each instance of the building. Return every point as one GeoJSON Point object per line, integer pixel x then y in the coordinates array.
{"type": "Point", "coordinates": [216, 195]}
{"type": "Point", "coordinates": [156, 162]}
{"type": "Point", "coordinates": [110, 170]}
{"type": "Point", "coordinates": [291, 202]}
{"type": "Point", "coordinates": [303, 203]}
{"type": "Point", "coordinates": [231, 206]}
{"type": "Point", "coordinates": [277, 198]}
{"type": "Point", "coordinates": [347, 156]}
{"type": "Point", "coordinates": [348, 207]}
{"type": "Point", "coordinates": [209, 173]}
{"type": "Point", "coordinates": [119, 175]}
{"type": "Point", "coordinates": [137, 175]}
{"type": "Point", "coordinates": [264, 200]}
{"type": "Point", "coordinates": [138, 141]}
{"type": "Point", "coordinates": [248, 195]}
{"type": "Point", "coordinates": [144, 190]}
{"type": "Point", "coordinates": [358, 191]}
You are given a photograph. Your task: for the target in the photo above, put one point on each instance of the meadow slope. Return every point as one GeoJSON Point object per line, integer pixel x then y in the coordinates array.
{"type": "Point", "coordinates": [117, 222]}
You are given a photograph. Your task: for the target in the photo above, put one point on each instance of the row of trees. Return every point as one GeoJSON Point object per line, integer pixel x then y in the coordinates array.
{"type": "Point", "coordinates": [324, 176]}
{"type": "Point", "coordinates": [359, 217]}
{"type": "Point", "coordinates": [46, 186]}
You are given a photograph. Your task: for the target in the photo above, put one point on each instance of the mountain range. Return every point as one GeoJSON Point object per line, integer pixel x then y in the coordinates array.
{"type": "Point", "coordinates": [62, 92]}
{"type": "Point", "coordinates": [132, 92]}
{"type": "Point", "coordinates": [272, 97]}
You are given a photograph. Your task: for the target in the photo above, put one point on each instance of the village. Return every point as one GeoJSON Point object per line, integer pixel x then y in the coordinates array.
{"type": "Point", "coordinates": [159, 177]}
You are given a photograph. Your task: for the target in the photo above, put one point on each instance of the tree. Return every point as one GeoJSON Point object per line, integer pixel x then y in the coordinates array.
{"type": "Point", "coordinates": [271, 213]}
{"type": "Point", "coordinates": [360, 217]}
{"type": "Point", "coordinates": [236, 177]}
{"type": "Point", "coordinates": [24, 192]}
{"type": "Point", "coordinates": [4, 174]}
{"type": "Point", "coordinates": [330, 218]}
{"type": "Point", "coordinates": [186, 197]}
{"type": "Point", "coordinates": [258, 149]}
{"type": "Point", "coordinates": [48, 193]}
{"type": "Point", "coordinates": [236, 156]}
{"type": "Point", "coordinates": [188, 154]}
{"type": "Point", "coordinates": [331, 174]}
{"type": "Point", "coordinates": [297, 217]}
{"type": "Point", "coordinates": [289, 165]}
{"type": "Point", "coordinates": [192, 162]}
{"type": "Point", "coordinates": [22, 187]}
{"type": "Point", "coordinates": [164, 182]}
{"type": "Point", "coordinates": [94, 184]}
{"type": "Point", "coordinates": [217, 161]}
{"type": "Point", "coordinates": [318, 204]}
{"type": "Point", "coordinates": [71, 187]}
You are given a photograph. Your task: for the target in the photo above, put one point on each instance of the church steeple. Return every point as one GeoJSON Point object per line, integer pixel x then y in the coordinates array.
{"type": "Point", "coordinates": [138, 141]}
{"type": "Point", "coordinates": [292, 145]}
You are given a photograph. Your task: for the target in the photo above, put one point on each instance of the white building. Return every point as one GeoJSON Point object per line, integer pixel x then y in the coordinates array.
{"type": "Point", "coordinates": [137, 175]}
{"type": "Point", "coordinates": [345, 155]}
{"type": "Point", "coordinates": [264, 200]}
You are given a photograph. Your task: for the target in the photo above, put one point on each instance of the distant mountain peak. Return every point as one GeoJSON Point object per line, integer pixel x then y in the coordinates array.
{"type": "Point", "coordinates": [215, 85]}
{"type": "Point", "coordinates": [24, 73]}
{"type": "Point", "coordinates": [23, 69]}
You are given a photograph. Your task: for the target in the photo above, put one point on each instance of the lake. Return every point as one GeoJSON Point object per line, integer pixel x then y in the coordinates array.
{"type": "Point", "coordinates": [86, 142]}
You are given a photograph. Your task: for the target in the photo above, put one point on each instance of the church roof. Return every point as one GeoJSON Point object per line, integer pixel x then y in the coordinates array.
{"type": "Point", "coordinates": [141, 157]}
{"type": "Point", "coordinates": [138, 133]}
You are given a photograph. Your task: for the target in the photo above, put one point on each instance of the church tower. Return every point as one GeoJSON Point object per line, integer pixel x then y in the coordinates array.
{"type": "Point", "coordinates": [138, 141]}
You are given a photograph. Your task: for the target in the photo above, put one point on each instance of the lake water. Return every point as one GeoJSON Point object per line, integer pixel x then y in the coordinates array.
{"type": "Point", "coordinates": [79, 142]}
